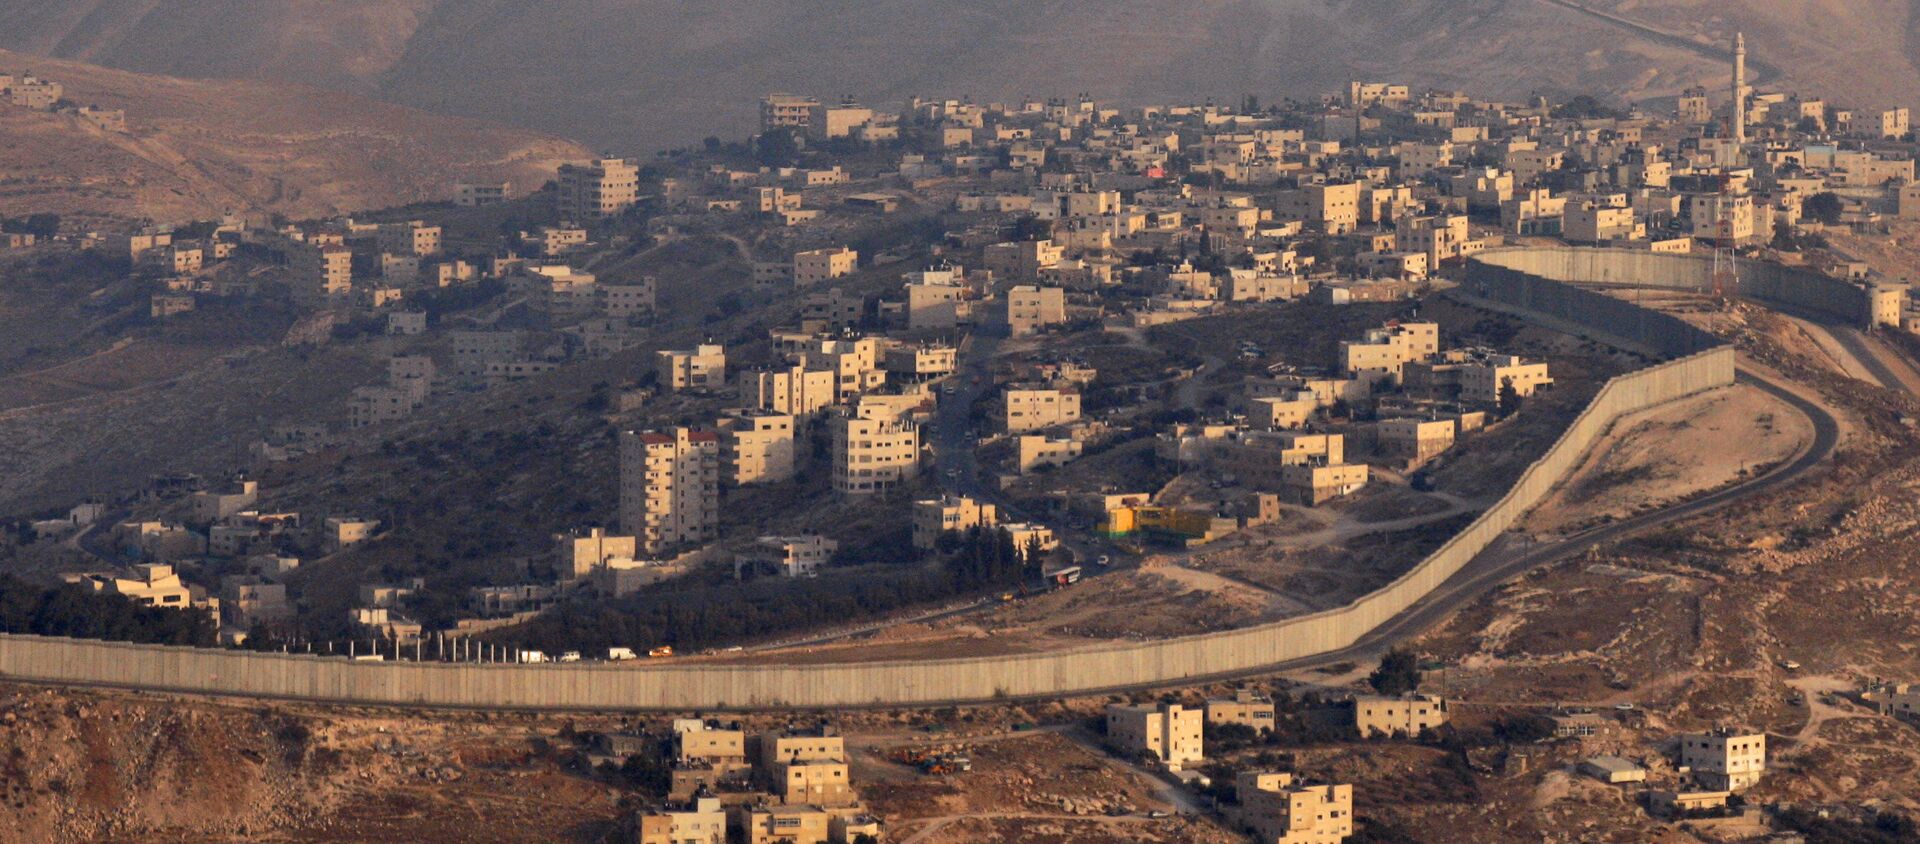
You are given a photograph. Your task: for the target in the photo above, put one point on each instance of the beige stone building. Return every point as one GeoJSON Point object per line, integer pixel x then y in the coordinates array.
{"type": "Point", "coordinates": [703, 366]}
{"type": "Point", "coordinates": [579, 554]}
{"type": "Point", "coordinates": [1031, 308]}
{"type": "Point", "coordinates": [786, 824]}
{"type": "Point", "coordinates": [1033, 408]}
{"type": "Point", "coordinates": [153, 585]}
{"type": "Point", "coordinates": [321, 275]}
{"type": "Point", "coordinates": [786, 111]}
{"type": "Point", "coordinates": [1169, 732]}
{"type": "Point", "coordinates": [935, 516]}
{"type": "Point", "coordinates": [1245, 707]}
{"type": "Point", "coordinates": [796, 556]}
{"type": "Point", "coordinates": [699, 821]}
{"type": "Point", "coordinates": [873, 455]}
{"type": "Point", "coordinates": [756, 447]}
{"type": "Point", "coordinates": [669, 487]}
{"type": "Point", "coordinates": [1483, 380]}
{"type": "Point", "coordinates": [1038, 450]}
{"type": "Point", "coordinates": [413, 237]}
{"type": "Point", "coordinates": [1331, 209]}
{"type": "Point", "coordinates": [1384, 351]}
{"type": "Point", "coordinates": [817, 265]}
{"type": "Point", "coordinates": [1278, 811]}
{"type": "Point", "coordinates": [1725, 759]}
{"type": "Point", "coordinates": [1418, 440]}
{"type": "Point", "coordinates": [481, 194]}
{"type": "Point", "coordinates": [1387, 716]}
{"type": "Point", "coordinates": [796, 390]}
{"type": "Point", "coordinates": [597, 189]}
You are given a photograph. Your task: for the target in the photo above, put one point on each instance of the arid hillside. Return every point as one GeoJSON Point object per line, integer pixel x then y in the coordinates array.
{"type": "Point", "coordinates": [637, 74]}
{"type": "Point", "coordinates": [195, 149]}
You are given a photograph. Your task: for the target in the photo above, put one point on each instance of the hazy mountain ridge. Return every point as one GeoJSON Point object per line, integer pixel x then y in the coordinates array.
{"type": "Point", "coordinates": [198, 148]}
{"type": "Point", "coordinates": [632, 74]}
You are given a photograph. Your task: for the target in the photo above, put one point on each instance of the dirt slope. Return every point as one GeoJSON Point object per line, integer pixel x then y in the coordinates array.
{"type": "Point", "coordinates": [196, 149]}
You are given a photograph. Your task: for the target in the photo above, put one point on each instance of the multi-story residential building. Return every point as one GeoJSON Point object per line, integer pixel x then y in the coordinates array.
{"type": "Point", "coordinates": [786, 111]}
{"type": "Point", "coordinates": [790, 824]}
{"type": "Point", "coordinates": [152, 585]}
{"type": "Point", "coordinates": [1419, 440]}
{"type": "Point", "coordinates": [700, 820]}
{"type": "Point", "coordinates": [705, 755]}
{"type": "Point", "coordinates": [854, 362]}
{"type": "Point", "coordinates": [1038, 450]}
{"type": "Point", "coordinates": [797, 391]}
{"type": "Point", "coordinates": [1408, 715]}
{"type": "Point", "coordinates": [597, 189]}
{"type": "Point", "coordinates": [796, 556]}
{"type": "Point", "coordinates": [935, 516]}
{"type": "Point", "coordinates": [413, 237]}
{"type": "Point", "coordinates": [1031, 308]}
{"type": "Point", "coordinates": [1330, 209]}
{"type": "Point", "coordinates": [1281, 812]}
{"type": "Point", "coordinates": [1033, 408]}
{"type": "Point", "coordinates": [1485, 379]}
{"type": "Point", "coordinates": [1600, 219]}
{"type": "Point", "coordinates": [1245, 707]}
{"type": "Point", "coordinates": [817, 265]}
{"type": "Point", "coordinates": [669, 487]}
{"type": "Point", "coordinates": [873, 455]}
{"type": "Point", "coordinates": [481, 194]}
{"type": "Point", "coordinates": [579, 554]}
{"type": "Point", "coordinates": [321, 275]}
{"type": "Point", "coordinates": [1725, 759]}
{"type": "Point", "coordinates": [922, 361]}
{"type": "Point", "coordinates": [836, 121]}
{"type": "Point", "coordinates": [704, 366]}
{"type": "Point", "coordinates": [1382, 353]}
{"type": "Point", "coordinates": [756, 447]}
{"type": "Point", "coordinates": [1169, 732]}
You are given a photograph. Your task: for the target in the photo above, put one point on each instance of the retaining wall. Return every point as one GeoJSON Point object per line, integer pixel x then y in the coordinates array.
{"type": "Point", "coordinates": [1793, 287]}
{"type": "Point", "coordinates": [1700, 366]}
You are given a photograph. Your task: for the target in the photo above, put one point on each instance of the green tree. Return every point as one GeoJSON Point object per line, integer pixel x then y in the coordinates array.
{"type": "Point", "coordinates": [1398, 674]}
{"type": "Point", "coordinates": [1825, 207]}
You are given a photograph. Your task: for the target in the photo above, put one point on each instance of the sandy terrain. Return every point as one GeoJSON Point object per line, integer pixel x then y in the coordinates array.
{"type": "Point", "coordinates": [1672, 452]}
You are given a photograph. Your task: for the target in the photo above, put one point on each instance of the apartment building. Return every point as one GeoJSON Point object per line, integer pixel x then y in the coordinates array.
{"type": "Point", "coordinates": [1032, 308]}
{"type": "Point", "coordinates": [1246, 708]}
{"type": "Point", "coordinates": [949, 514]}
{"type": "Point", "coordinates": [1033, 408]}
{"type": "Point", "coordinates": [1418, 440]}
{"type": "Point", "coordinates": [1278, 811]}
{"type": "Point", "coordinates": [481, 194]}
{"type": "Point", "coordinates": [797, 391]}
{"type": "Point", "coordinates": [1022, 258]}
{"type": "Point", "coordinates": [794, 824]}
{"type": "Point", "coordinates": [626, 301]}
{"type": "Point", "coordinates": [413, 237]}
{"type": "Point", "coordinates": [704, 366]}
{"type": "Point", "coordinates": [920, 362]}
{"type": "Point", "coordinates": [597, 189]}
{"type": "Point", "coordinates": [873, 455]}
{"type": "Point", "coordinates": [795, 556]}
{"type": "Point", "coordinates": [1725, 759]}
{"type": "Point", "coordinates": [577, 555]}
{"type": "Point", "coordinates": [1169, 732]}
{"type": "Point", "coordinates": [1038, 450]}
{"type": "Point", "coordinates": [817, 265]}
{"type": "Point", "coordinates": [756, 447]}
{"type": "Point", "coordinates": [1382, 353]}
{"type": "Point", "coordinates": [936, 299]}
{"type": "Point", "coordinates": [836, 121]}
{"type": "Point", "coordinates": [321, 275]}
{"type": "Point", "coordinates": [1599, 220]}
{"type": "Point", "coordinates": [669, 487]}
{"type": "Point", "coordinates": [1485, 379]}
{"type": "Point", "coordinates": [854, 362]}
{"type": "Point", "coordinates": [705, 755]}
{"type": "Point", "coordinates": [1408, 715]}
{"type": "Point", "coordinates": [697, 821]}
{"type": "Point", "coordinates": [786, 111]}
{"type": "Point", "coordinates": [1331, 209]}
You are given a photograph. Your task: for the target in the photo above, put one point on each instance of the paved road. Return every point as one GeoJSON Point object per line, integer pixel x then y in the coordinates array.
{"type": "Point", "coordinates": [1503, 562]}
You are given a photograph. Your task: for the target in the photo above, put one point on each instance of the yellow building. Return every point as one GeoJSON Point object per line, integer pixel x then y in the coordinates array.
{"type": "Point", "coordinates": [1169, 732]}
{"type": "Point", "coordinates": [597, 189]}
{"type": "Point", "coordinates": [669, 487]}
{"type": "Point", "coordinates": [756, 447]}
{"type": "Point", "coordinates": [936, 516]}
{"type": "Point", "coordinates": [817, 265]}
{"type": "Point", "coordinates": [1281, 812]}
{"type": "Point", "coordinates": [702, 366]}
{"type": "Point", "coordinates": [1386, 716]}
{"type": "Point", "coordinates": [873, 455]}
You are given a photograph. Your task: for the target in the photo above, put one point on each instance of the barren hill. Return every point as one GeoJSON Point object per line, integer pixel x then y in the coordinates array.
{"type": "Point", "coordinates": [198, 148]}
{"type": "Point", "coordinates": [642, 73]}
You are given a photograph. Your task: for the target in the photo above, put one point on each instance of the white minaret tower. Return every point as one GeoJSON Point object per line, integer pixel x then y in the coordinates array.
{"type": "Point", "coordinates": [1740, 88]}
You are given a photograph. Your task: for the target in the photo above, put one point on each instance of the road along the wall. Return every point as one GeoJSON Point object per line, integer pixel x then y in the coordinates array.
{"type": "Point", "coordinates": [1697, 364]}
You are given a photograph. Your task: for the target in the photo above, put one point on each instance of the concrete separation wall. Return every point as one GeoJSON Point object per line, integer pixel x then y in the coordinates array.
{"type": "Point", "coordinates": [1699, 365]}
{"type": "Point", "coordinates": [1767, 283]}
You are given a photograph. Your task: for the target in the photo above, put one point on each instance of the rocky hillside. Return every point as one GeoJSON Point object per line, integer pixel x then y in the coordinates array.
{"type": "Point", "coordinates": [637, 74]}
{"type": "Point", "coordinates": [195, 149]}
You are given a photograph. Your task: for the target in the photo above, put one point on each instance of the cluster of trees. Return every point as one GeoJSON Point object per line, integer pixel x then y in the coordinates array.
{"type": "Point", "coordinates": [74, 611]}
{"type": "Point", "coordinates": [698, 616]}
{"type": "Point", "coordinates": [39, 225]}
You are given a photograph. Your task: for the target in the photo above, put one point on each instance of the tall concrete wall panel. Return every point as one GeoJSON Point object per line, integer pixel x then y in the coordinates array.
{"type": "Point", "coordinates": [1772, 284]}
{"type": "Point", "coordinates": [724, 686]}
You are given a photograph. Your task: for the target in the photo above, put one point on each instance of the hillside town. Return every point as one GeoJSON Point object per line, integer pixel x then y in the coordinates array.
{"type": "Point", "coordinates": [955, 366]}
